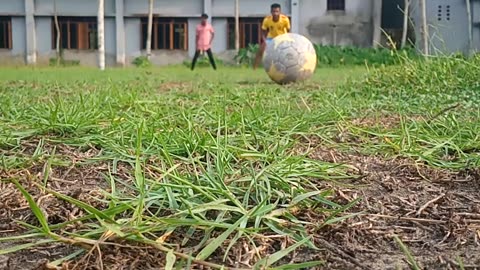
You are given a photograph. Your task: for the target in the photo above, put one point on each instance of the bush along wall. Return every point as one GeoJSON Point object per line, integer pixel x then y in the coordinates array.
{"type": "Point", "coordinates": [351, 56]}
{"type": "Point", "coordinates": [332, 56]}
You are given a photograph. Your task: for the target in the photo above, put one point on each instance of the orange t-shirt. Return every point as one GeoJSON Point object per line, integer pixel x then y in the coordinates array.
{"type": "Point", "coordinates": [204, 35]}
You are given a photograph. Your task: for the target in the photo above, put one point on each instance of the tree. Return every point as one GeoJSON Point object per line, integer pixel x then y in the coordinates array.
{"type": "Point", "coordinates": [101, 34]}
{"type": "Point", "coordinates": [57, 27]}
{"type": "Point", "coordinates": [406, 15]}
{"type": "Point", "coordinates": [150, 26]}
{"type": "Point", "coordinates": [424, 31]}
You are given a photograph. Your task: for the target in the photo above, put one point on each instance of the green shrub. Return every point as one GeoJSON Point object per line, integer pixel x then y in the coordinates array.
{"type": "Point", "coordinates": [246, 56]}
{"type": "Point", "coordinates": [64, 63]}
{"type": "Point", "coordinates": [203, 61]}
{"type": "Point", "coordinates": [142, 62]}
{"type": "Point", "coordinates": [341, 56]}
{"type": "Point", "coordinates": [351, 56]}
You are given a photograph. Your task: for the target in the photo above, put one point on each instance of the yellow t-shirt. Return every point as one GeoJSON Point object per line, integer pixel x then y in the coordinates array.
{"type": "Point", "coordinates": [282, 26]}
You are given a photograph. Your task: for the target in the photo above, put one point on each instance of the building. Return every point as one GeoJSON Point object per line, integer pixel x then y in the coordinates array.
{"type": "Point", "coordinates": [28, 31]}
{"type": "Point", "coordinates": [453, 26]}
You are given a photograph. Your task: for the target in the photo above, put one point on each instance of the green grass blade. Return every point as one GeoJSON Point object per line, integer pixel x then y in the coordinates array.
{"type": "Point", "coordinates": [296, 266]}
{"type": "Point", "coordinates": [407, 253]}
{"type": "Point", "coordinates": [37, 211]}
{"type": "Point", "coordinates": [170, 260]}
{"type": "Point", "coordinates": [333, 217]}
{"type": "Point", "coordinates": [460, 263]}
{"type": "Point", "coordinates": [302, 197]}
{"type": "Point", "coordinates": [114, 228]}
{"type": "Point", "coordinates": [67, 258]}
{"type": "Point", "coordinates": [85, 206]}
{"type": "Point", "coordinates": [269, 260]}
{"type": "Point", "coordinates": [20, 237]}
{"type": "Point", "coordinates": [24, 246]}
{"type": "Point", "coordinates": [217, 242]}
{"type": "Point", "coordinates": [48, 167]}
{"type": "Point", "coordinates": [340, 219]}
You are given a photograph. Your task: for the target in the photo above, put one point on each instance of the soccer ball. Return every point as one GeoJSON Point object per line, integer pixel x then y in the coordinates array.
{"type": "Point", "coordinates": [289, 58]}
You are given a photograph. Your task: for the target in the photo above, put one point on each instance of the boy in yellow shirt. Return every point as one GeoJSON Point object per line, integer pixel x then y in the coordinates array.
{"type": "Point", "coordinates": [273, 25]}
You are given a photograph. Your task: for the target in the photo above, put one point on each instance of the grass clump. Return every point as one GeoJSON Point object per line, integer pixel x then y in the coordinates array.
{"type": "Point", "coordinates": [433, 106]}
{"type": "Point", "coordinates": [210, 170]}
{"type": "Point", "coordinates": [198, 165]}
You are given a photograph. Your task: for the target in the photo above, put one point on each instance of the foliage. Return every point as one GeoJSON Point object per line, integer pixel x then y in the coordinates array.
{"type": "Point", "coordinates": [203, 61]}
{"type": "Point", "coordinates": [333, 56]}
{"type": "Point", "coordinates": [63, 62]}
{"type": "Point", "coordinates": [246, 56]}
{"type": "Point", "coordinates": [214, 161]}
{"type": "Point", "coordinates": [349, 55]}
{"type": "Point", "coordinates": [206, 170]}
{"type": "Point", "coordinates": [142, 62]}
{"type": "Point", "coordinates": [437, 102]}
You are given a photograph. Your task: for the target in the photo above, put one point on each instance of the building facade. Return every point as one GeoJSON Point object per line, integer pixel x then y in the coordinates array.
{"type": "Point", "coordinates": [453, 26]}
{"type": "Point", "coordinates": [28, 32]}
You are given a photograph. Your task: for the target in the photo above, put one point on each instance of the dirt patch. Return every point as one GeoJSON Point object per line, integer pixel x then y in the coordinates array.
{"type": "Point", "coordinates": [34, 259]}
{"type": "Point", "coordinates": [74, 177]}
{"type": "Point", "coordinates": [174, 86]}
{"type": "Point", "coordinates": [435, 213]}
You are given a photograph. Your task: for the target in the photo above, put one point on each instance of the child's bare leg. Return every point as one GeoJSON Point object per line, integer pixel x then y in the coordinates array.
{"type": "Point", "coordinates": [259, 55]}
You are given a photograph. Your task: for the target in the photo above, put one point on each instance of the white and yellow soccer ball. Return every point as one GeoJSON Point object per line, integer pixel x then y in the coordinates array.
{"type": "Point", "coordinates": [289, 58]}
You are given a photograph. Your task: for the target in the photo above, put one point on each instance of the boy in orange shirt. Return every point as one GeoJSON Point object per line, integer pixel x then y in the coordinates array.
{"type": "Point", "coordinates": [273, 25]}
{"type": "Point", "coordinates": [204, 38]}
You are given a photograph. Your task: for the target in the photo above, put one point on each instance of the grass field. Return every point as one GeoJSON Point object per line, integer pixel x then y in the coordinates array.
{"type": "Point", "coordinates": [166, 168]}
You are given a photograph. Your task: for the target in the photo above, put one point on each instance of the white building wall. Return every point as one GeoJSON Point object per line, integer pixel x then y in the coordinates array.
{"type": "Point", "coordinates": [220, 43]}
{"type": "Point", "coordinates": [248, 8]}
{"type": "Point", "coordinates": [350, 27]}
{"type": "Point", "coordinates": [192, 24]}
{"type": "Point", "coordinates": [309, 17]}
{"type": "Point", "coordinates": [72, 7]}
{"type": "Point", "coordinates": [166, 8]}
{"type": "Point", "coordinates": [10, 7]}
{"type": "Point", "coordinates": [18, 36]}
{"type": "Point", "coordinates": [43, 27]}
{"type": "Point", "coordinates": [17, 54]}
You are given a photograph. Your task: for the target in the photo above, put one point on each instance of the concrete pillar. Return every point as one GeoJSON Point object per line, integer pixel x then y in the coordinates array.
{"type": "Point", "coordinates": [30, 40]}
{"type": "Point", "coordinates": [120, 31]}
{"type": "Point", "coordinates": [207, 8]}
{"type": "Point", "coordinates": [377, 23]}
{"type": "Point", "coordinates": [295, 14]}
{"type": "Point", "coordinates": [101, 34]}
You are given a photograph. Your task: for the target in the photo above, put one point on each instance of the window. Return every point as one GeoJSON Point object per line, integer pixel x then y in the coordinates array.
{"type": "Point", "coordinates": [250, 32]}
{"type": "Point", "coordinates": [167, 33]}
{"type": "Point", "coordinates": [336, 5]}
{"type": "Point", "coordinates": [5, 33]}
{"type": "Point", "coordinates": [76, 33]}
